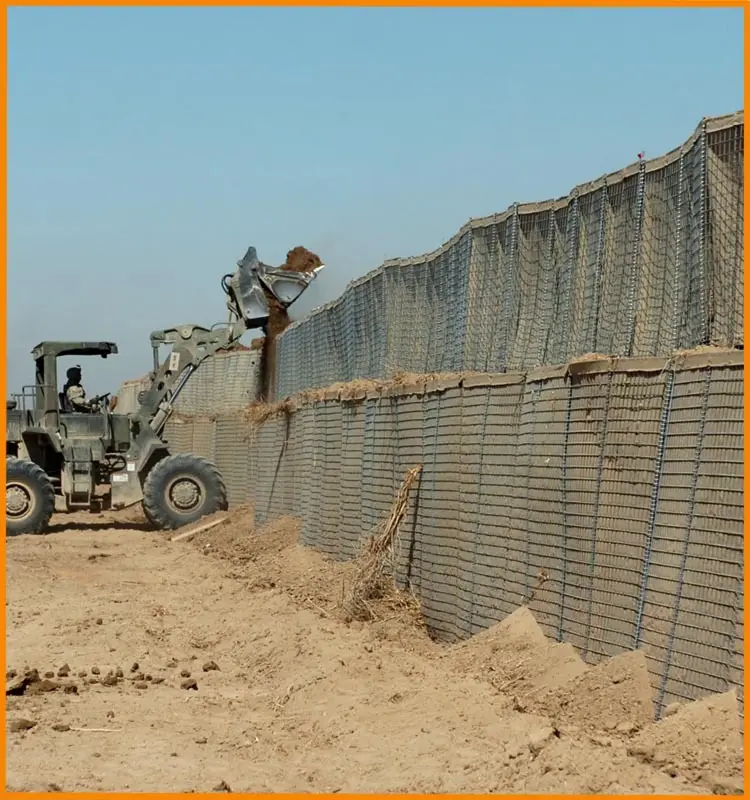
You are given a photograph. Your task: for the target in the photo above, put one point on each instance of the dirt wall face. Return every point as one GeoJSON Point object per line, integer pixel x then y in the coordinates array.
{"type": "Point", "coordinates": [298, 259]}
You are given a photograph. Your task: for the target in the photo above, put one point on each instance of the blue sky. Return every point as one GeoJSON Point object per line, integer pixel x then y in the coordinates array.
{"type": "Point", "coordinates": [148, 147]}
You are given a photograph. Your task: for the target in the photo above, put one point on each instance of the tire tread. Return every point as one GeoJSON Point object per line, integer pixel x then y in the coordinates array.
{"type": "Point", "coordinates": [37, 475]}
{"type": "Point", "coordinates": [153, 505]}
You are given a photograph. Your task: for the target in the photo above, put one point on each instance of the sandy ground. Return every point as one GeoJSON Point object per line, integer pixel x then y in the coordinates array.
{"type": "Point", "coordinates": [285, 694]}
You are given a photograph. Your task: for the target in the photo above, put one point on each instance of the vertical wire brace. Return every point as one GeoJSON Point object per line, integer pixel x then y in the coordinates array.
{"type": "Point", "coordinates": [599, 265]}
{"type": "Point", "coordinates": [464, 247]}
{"type": "Point", "coordinates": [635, 259]}
{"type": "Point", "coordinates": [496, 255]}
{"type": "Point", "coordinates": [478, 507]}
{"type": "Point", "coordinates": [535, 389]}
{"type": "Point", "coordinates": [685, 547]}
{"type": "Point", "coordinates": [433, 470]}
{"type": "Point", "coordinates": [512, 320]}
{"type": "Point", "coordinates": [702, 222]}
{"type": "Point", "coordinates": [565, 491]}
{"type": "Point", "coordinates": [545, 319]}
{"type": "Point", "coordinates": [680, 259]}
{"type": "Point", "coordinates": [347, 419]}
{"type": "Point", "coordinates": [573, 239]}
{"type": "Point", "coordinates": [597, 499]}
{"type": "Point", "coordinates": [666, 413]}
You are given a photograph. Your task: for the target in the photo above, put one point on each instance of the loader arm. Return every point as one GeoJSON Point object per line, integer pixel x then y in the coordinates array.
{"type": "Point", "coordinates": [247, 291]}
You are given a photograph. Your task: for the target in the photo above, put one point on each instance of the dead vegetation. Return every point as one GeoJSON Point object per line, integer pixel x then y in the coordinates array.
{"type": "Point", "coordinates": [258, 412]}
{"type": "Point", "coordinates": [376, 566]}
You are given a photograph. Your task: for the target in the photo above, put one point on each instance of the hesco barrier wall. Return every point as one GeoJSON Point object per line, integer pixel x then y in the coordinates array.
{"type": "Point", "coordinates": [619, 480]}
{"type": "Point", "coordinates": [638, 263]}
{"type": "Point", "coordinates": [220, 385]}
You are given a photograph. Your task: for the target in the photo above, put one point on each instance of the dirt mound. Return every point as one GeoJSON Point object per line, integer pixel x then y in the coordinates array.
{"type": "Point", "coordinates": [517, 633]}
{"type": "Point", "coordinates": [614, 696]}
{"type": "Point", "coordinates": [579, 720]}
{"type": "Point", "coordinates": [259, 684]}
{"type": "Point", "coordinates": [271, 557]}
{"type": "Point", "coordinates": [300, 259]}
{"type": "Point", "coordinates": [516, 657]}
{"type": "Point", "coordinates": [701, 741]}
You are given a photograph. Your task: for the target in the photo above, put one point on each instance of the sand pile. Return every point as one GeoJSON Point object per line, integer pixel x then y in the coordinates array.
{"type": "Point", "coordinates": [559, 724]}
{"type": "Point", "coordinates": [699, 740]}
{"type": "Point", "coordinates": [292, 696]}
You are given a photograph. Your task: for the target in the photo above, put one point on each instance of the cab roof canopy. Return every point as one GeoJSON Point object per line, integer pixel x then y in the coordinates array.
{"type": "Point", "coordinates": [57, 349]}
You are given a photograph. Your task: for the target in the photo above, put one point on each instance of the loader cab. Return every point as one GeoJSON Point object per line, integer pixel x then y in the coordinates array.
{"type": "Point", "coordinates": [44, 398]}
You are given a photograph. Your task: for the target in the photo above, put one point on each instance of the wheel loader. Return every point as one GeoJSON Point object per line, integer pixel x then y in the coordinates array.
{"type": "Point", "coordinates": [60, 460]}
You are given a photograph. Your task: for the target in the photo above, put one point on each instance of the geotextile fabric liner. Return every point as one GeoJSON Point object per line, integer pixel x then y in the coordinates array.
{"type": "Point", "coordinates": [607, 494]}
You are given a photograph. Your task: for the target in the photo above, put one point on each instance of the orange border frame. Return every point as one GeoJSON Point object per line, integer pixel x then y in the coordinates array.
{"type": "Point", "coordinates": [380, 3]}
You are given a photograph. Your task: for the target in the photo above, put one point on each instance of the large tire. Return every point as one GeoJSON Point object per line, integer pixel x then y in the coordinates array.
{"type": "Point", "coordinates": [29, 498]}
{"type": "Point", "coordinates": [181, 489]}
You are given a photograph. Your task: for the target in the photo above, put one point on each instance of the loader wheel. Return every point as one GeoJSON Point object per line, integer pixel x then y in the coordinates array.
{"type": "Point", "coordinates": [29, 498]}
{"type": "Point", "coordinates": [181, 489]}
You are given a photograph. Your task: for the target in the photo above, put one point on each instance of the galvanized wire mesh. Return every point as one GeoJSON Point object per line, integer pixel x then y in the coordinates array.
{"type": "Point", "coordinates": [638, 263]}
{"type": "Point", "coordinates": [225, 383]}
{"type": "Point", "coordinates": [622, 484]}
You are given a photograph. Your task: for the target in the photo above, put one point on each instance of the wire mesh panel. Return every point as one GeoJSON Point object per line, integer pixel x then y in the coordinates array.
{"type": "Point", "coordinates": [441, 489]}
{"type": "Point", "coordinates": [543, 425]}
{"type": "Point", "coordinates": [328, 474]}
{"type": "Point", "coordinates": [491, 580]}
{"type": "Point", "coordinates": [725, 244]}
{"type": "Point", "coordinates": [435, 550]}
{"type": "Point", "coordinates": [204, 438]}
{"type": "Point", "coordinates": [628, 461]}
{"type": "Point", "coordinates": [408, 432]}
{"type": "Point", "coordinates": [231, 453]}
{"type": "Point", "coordinates": [690, 603]}
{"type": "Point", "coordinates": [702, 633]}
{"type": "Point", "coordinates": [304, 445]}
{"type": "Point", "coordinates": [313, 460]}
{"type": "Point", "coordinates": [659, 263]}
{"type": "Point", "coordinates": [586, 278]}
{"type": "Point", "coordinates": [484, 307]}
{"type": "Point", "coordinates": [588, 416]}
{"type": "Point", "coordinates": [382, 479]}
{"type": "Point", "coordinates": [693, 322]}
{"type": "Point", "coordinates": [637, 263]}
{"type": "Point", "coordinates": [563, 257]}
{"type": "Point", "coordinates": [350, 481]}
{"type": "Point", "coordinates": [617, 268]}
{"type": "Point", "coordinates": [178, 434]}
{"type": "Point", "coordinates": [524, 348]}
{"type": "Point", "coordinates": [608, 496]}
{"type": "Point", "coordinates": [266, 443]}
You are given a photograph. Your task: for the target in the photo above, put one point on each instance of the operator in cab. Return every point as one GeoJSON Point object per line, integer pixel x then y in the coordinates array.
{"type": "Point", "coordinates": [75, 394]}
